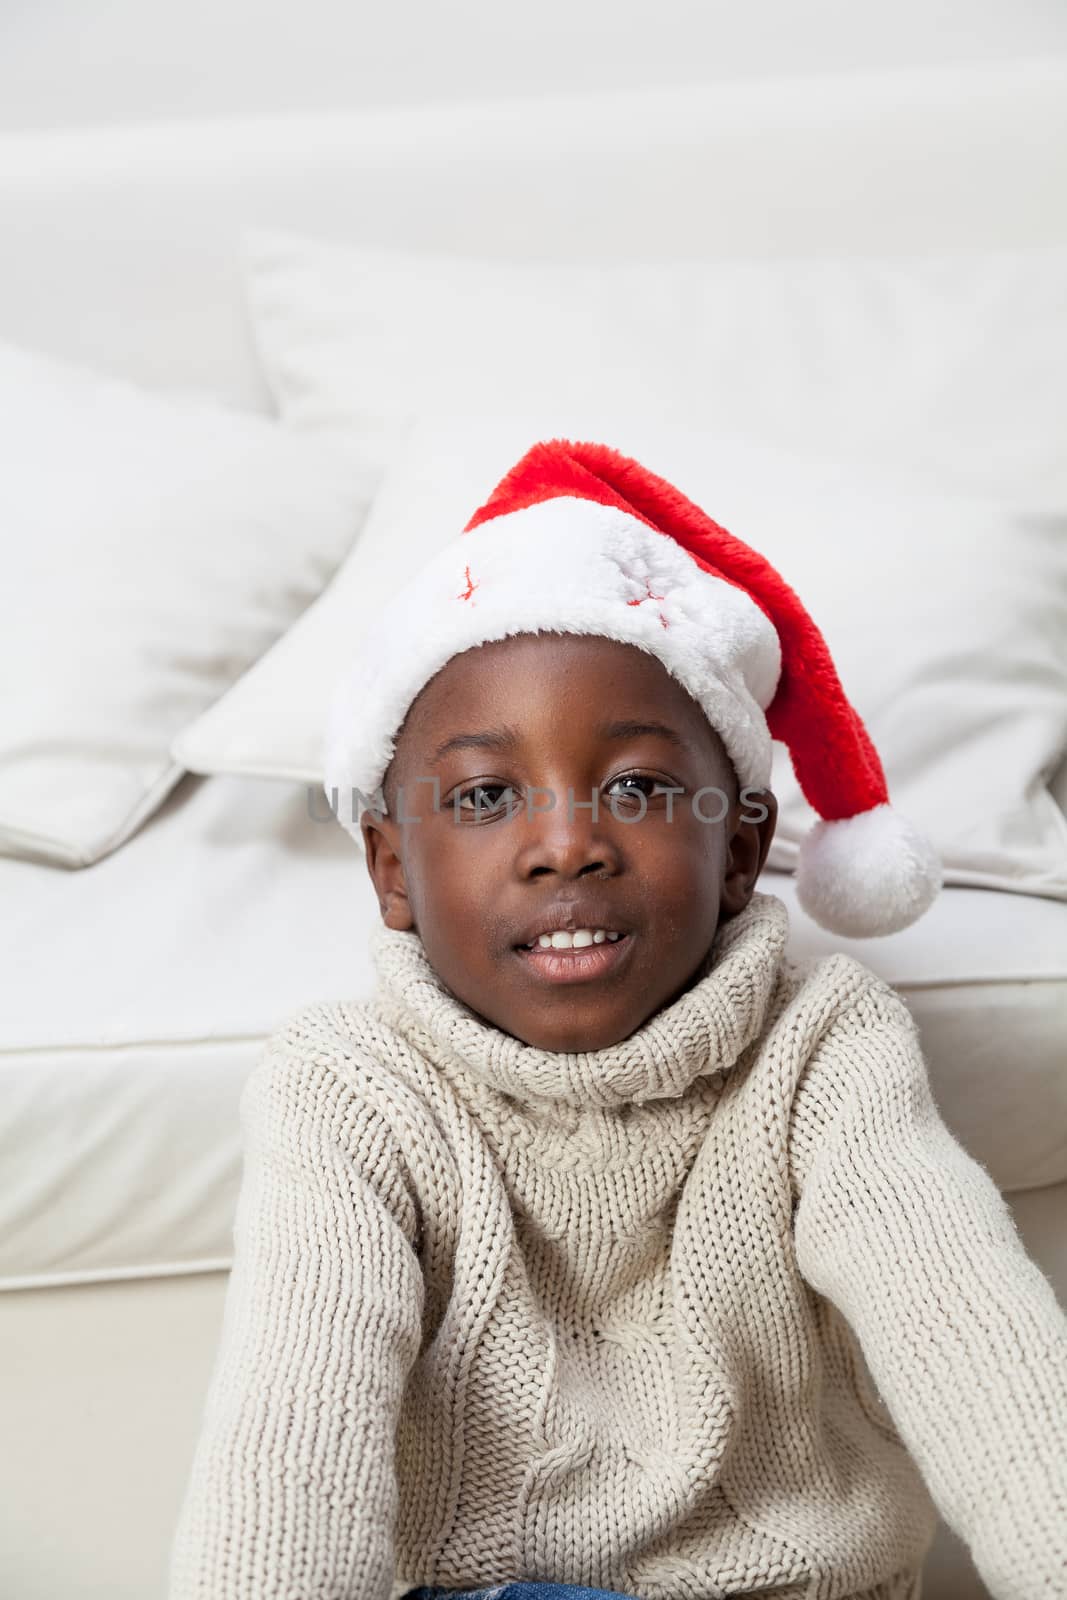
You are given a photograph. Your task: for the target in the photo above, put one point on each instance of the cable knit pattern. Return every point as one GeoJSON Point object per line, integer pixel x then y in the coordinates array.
{"type": "Point", "coordinates": [723, 1309]}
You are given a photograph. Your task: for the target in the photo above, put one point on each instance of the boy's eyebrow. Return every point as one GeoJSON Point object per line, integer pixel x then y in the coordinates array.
{"type": "Point", "coordinates": [507, 738]}
{"type": "Point", "coordinates": [491, 739]}
{"type": "Point", "coordinates": [635, 730]}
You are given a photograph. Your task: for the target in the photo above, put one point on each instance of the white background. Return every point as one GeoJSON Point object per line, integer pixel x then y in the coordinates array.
{"type": "Point", "coordinates": [71, 62]}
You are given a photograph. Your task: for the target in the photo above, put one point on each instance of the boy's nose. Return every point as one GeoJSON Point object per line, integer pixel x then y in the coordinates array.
{"type": "Point", "coordinates": [569, 837]}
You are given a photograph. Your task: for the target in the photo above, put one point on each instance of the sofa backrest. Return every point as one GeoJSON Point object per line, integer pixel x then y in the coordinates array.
{"type": "Point", "coordinates": [121, 246]}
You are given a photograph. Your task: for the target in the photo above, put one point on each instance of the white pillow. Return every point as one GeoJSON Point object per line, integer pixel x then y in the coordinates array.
{"type": "Point", "coordinates": [953, 366]}
{"type": "Point", "coordinates": [947, 618]}
{"type": "Point", "coordinates": [153, 549]}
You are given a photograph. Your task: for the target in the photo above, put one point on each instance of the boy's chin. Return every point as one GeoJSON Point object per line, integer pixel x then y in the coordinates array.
{"type": "Point", "coordinates": [570, 1037]}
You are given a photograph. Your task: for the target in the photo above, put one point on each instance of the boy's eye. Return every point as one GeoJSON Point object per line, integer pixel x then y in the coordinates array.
{"type": "Point", "coordinates": [480, 796]}
{"type": "Point", "coordinates": [633, 781]}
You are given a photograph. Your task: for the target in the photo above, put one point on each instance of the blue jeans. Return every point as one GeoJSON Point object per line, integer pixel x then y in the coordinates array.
{"type": "Point", "coordinates": [519, 1591]}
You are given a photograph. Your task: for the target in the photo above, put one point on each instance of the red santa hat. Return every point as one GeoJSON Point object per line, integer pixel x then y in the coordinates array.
{"type": "Point", "coordinates": [580, 539]}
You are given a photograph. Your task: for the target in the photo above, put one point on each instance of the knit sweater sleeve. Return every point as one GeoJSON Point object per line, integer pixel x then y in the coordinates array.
{"type": "Point", "coordinates": [293, 1489]}
{"type": "Point", "coordinates": [908, 1235]}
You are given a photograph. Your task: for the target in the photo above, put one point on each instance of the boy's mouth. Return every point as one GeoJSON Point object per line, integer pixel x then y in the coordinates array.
{"type": "Point", "coordinates": [572, 938]}
{"type": "Point", "coordinates": [564, 962]}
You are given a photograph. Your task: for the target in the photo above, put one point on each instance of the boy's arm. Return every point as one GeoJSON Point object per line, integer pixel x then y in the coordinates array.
{"type": "Point", "coordinates": [910, 1238]}
{"type": "Point", "coordinates": [293, 1486]}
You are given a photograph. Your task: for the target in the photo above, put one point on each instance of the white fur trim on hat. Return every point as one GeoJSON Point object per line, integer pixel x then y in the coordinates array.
{"type": "Point", "coordinates": [564, 565]}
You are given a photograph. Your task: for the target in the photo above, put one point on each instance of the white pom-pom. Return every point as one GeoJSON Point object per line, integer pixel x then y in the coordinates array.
{"type": "Point", "coordinates": [866, 875]}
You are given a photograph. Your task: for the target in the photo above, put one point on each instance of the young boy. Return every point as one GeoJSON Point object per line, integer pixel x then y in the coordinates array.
{"type": "Point", "coordinates": [605, 1246]}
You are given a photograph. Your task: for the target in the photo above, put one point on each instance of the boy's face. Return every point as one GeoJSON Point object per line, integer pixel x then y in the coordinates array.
{"type": "Point", "coordinates": [539, 718]}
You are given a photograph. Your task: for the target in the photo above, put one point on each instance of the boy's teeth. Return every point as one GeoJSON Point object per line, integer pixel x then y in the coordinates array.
{"type": "Point", "coordinates": [565, 940]}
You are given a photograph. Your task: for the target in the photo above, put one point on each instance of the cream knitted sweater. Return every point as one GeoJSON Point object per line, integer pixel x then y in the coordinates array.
{"type": "Point", "coordinates": [655, 1318]}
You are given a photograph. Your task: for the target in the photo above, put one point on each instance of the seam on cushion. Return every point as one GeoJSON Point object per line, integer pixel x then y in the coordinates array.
{"type": "Point", "coordinates": [89, 1275]}
{"type": "Point", "coordinates": [52, 850]}
{"type": "Point", "coordinates": [96, 1045]}
{"type": "Point", "coordinates": [248, 767]}
{"type": "Point", "coordinates": [932, 985]}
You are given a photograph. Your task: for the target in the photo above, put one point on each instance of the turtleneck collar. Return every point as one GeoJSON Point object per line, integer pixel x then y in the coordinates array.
{"type": "Point", "coordinates": [703, 1031]}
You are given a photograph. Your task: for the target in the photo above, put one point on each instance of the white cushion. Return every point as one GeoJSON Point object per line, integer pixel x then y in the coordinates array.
{"type": "Point", "coordinates": [951, 365]}
{"type": "Point", "coordinates": [947, 618]}
{"type": "Point", "coordinates": [153, 550]}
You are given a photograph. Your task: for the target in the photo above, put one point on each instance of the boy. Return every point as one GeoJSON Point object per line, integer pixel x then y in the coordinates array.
{"type": "Point", "coordinates": [571, 1256]}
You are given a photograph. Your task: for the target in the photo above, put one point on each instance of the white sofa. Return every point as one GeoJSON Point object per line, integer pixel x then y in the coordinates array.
{"type": "Point", "coordinates": [146, 984]}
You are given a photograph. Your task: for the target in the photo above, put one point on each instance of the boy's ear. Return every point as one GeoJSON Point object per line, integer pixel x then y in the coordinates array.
{"type": "Point", "coordinates": [386, 872]}
{"type": "Point", "coordinates": [750, 829]}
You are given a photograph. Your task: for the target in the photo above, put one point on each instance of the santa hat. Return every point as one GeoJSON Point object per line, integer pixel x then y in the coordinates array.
{"type": "Point", "coordinates": [580, 539]}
